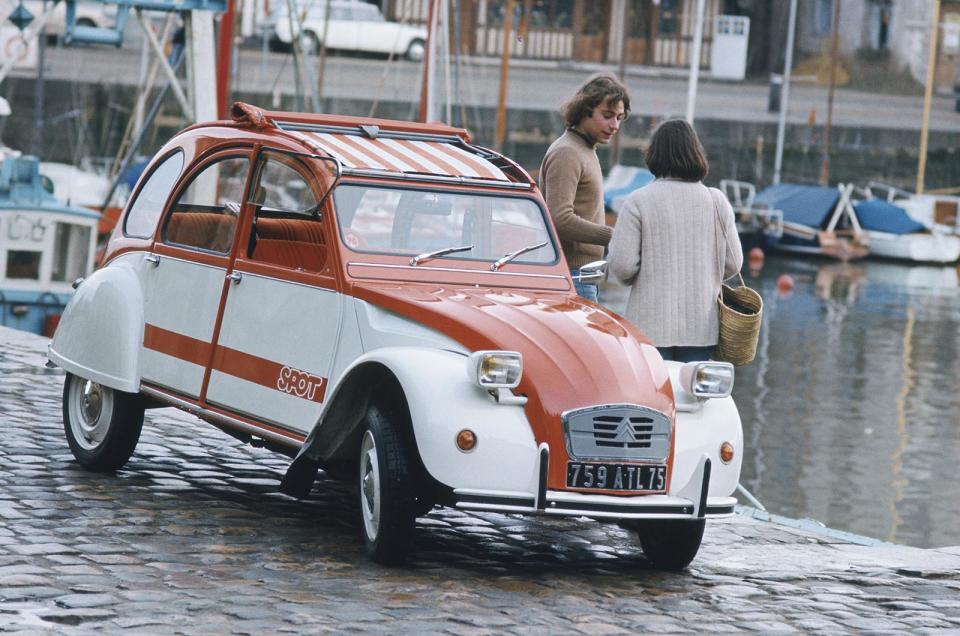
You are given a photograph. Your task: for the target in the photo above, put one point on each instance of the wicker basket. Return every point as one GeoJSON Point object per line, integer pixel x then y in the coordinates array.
{"type": "Point", "coordinates": [741, 312]}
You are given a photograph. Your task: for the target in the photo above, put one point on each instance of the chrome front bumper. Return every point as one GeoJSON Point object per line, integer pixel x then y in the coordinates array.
{"type": "Point", "coordinates": [691, 501]}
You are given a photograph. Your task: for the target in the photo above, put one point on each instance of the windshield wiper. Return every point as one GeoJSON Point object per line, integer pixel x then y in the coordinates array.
{"type": "Point", "coordinates": [419, 258]}
{"type": "Point", "coordinates": [512, 255]}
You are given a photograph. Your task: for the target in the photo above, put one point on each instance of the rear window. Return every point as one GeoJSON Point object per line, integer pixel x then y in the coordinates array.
{"type": "Point", "coordinates": [142, 218]}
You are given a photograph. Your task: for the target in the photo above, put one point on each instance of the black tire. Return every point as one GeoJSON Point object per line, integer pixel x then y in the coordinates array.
{"type": "Point", "coordinates": [385, 490]}
{"type": "Point", "coordinates": [309, 43]}
{"type": "Point", "coordinates": [276, 45]}
{"type": "Point", "coordinates": [416, 50]}
{"type": "Point", "coordinates": [671, 544]}
{"type": "Point", "coordinates": [102, 425]}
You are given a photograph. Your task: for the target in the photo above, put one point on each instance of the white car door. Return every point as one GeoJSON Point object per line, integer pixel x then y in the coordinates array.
{"type": "Point", "coordinates": [183, 287]}
{"type": "Point", "coordinates": [374, 34]}
{"type": "Point", "coordinates": [282, 315]}
{"type": "Point", "coordinates": [343, 32]}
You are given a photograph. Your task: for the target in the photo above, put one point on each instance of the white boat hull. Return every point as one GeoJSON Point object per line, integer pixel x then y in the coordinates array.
{"type": "Point", "coordinates": [920, 247]}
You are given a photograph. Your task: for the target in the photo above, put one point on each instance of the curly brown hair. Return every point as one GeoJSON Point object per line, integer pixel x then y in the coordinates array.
{"type": "Point", "coordinates": [675, 151]}
{"type": "Point", "coordinates": [591, 94]}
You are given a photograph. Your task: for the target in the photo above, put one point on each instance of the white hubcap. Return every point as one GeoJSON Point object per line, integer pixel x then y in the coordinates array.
{"type": "Point", "coordinates": [370, 486]}
{"type": "Point", "coordinates": [91, 405]}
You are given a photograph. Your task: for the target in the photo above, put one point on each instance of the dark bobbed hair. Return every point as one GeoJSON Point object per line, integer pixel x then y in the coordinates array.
{"type": "Point", "coordinates": [675, 151]}
{"type": "Point", "coordinates": [591, 94]}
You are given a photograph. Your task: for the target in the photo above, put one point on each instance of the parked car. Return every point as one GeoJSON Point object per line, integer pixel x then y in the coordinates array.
{"type": "Point", "coordinates": [354, 26]}
{"type": "Point", "coordinates": [387, 302]}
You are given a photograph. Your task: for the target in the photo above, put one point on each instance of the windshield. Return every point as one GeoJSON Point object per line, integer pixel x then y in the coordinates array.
{"type": "Point", "coordinates": [406, 221]}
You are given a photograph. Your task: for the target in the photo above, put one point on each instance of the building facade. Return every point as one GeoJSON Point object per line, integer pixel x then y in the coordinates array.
{"type": "Point", "coordinates": [657, 33]}
{"type": "Point", "coordinates": [660, 32]}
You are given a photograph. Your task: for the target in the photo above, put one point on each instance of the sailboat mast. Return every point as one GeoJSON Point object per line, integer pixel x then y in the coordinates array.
{"type": "Point", "coordinates": [927, 95]}
{"type": "Point", "coordinates": [426, 86]}
{"type": "Point", "coordinates": [828, 129]}
{"type": "Point", "coordinates": [224, 58]}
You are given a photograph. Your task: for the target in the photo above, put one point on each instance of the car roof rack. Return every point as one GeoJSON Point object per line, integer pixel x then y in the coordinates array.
{"type": "Point", "coordinates": [384, 148]}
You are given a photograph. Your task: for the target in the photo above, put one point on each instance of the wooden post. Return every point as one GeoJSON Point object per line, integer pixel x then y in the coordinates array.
{"type": "Point", "coordinates": [653, 32]}
{"type": "Point", "coordinates": [834, 51]}
{"type": "Point", "coordinates": [504, 74]}
{"type": "Point", "coordinates": [927, 96]}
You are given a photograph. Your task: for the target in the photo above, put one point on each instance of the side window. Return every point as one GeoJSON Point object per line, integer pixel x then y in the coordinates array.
{"type": "Point", "coordinates": [288, 228]}
{"type": "Point", "coordinates": [142, 219]}
{"type": "Point", "coordinates": [281, 189]}
{"type": "Point", "coordinates": [205, 214]}
{"type": "Point", "coordinates": [71, 250]}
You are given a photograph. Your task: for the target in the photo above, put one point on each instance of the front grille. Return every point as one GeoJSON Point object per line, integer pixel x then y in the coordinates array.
{"type": "Point", "coordinates": [617, 431]}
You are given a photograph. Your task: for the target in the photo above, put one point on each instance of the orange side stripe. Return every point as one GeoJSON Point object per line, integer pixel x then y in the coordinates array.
{"type": "Point", "coordinates": [272, 375]}
{"type": "Point", "coordinates": [238, 364]}
{"type": "Point", "coordinates": [176, 345]}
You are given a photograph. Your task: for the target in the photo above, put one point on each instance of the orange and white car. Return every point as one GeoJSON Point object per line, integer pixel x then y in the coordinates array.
{"type": "Point", "coordinates": [387, 302]}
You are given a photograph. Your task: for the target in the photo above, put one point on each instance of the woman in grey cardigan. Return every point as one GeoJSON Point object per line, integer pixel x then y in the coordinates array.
{"type": "Point", "coordinates": [669, 247]}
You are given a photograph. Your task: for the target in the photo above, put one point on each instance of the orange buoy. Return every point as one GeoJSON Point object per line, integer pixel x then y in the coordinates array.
{"type": "Point", "coordinates": [785, 283]}
{"type": "Point", "coordinates": [755, 261]}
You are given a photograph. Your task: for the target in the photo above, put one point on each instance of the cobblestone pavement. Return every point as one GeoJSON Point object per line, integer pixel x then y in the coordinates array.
{"type": "Point", "coordinates": [192, 537]}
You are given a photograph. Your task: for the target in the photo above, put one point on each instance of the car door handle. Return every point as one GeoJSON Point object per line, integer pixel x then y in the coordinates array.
{"type": "Point", "coordinates": [235, 277]}
{"type": "Point", "coordinates": [152, 258]}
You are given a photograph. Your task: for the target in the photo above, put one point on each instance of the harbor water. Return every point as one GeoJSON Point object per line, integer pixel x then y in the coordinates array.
{"type": "Point", "coordinates": [851, 413]}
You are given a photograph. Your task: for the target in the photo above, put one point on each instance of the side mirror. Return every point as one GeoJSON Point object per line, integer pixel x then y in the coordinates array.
{"type": "Point", "coordinates": [592, 272]}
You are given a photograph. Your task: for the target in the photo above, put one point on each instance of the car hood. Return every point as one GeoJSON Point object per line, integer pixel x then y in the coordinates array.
{"type": "Point", "coordinates": [575, 354]}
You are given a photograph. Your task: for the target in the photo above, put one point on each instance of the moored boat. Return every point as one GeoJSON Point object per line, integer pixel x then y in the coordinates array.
{"type": "Point", "coordinates": [937, 212]}
{"type": "Point", "coordinates": [817, 220]}
{"type": "Point", "coordinates": [44, 246]}
{"type": "Point", "coordinates": [894, 234]}
{"type": "Point", "coordinates": [755, 225]}
{"type": "Point", "coordinates": [620, 182]}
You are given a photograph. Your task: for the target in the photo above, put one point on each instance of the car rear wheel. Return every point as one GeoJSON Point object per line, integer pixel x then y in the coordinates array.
{"type": "Point", "coordinates": [309, 43]}
{"type": "Point", "coordinates": [416, 51]}
{"type": "Point", "coordinates": [385, 490]}
{"type": "Point", "coordinates": [671, 544]}
{"type": "Point", "coordinates": [102, 425]}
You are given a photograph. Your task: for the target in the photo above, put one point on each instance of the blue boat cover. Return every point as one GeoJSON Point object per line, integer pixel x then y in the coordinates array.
{"type": "Point", "coordinates": [881, 216]}
{"type": "Point", "coordinates": [637, 178]}
{"type": "Point", "coordinates": [804, 204]}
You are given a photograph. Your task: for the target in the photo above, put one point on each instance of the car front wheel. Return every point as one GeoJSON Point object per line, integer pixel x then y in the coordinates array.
{"type": "Point", "coordinates": [385, 490]}
{"type": "Point", "coordinates": [309, 43]}
{"type": "Point", "coordinates": [102, 425]}
{"type": "Point", "coordinates": [671, 544]}
{"type": "Point", "coordinates": [416, 51]}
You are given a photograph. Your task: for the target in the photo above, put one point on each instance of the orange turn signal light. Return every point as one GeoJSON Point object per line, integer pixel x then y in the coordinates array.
{"type": "Point", "coordinates": [466, 440]}
{"type": "Point", "coordinates": [726, 452]}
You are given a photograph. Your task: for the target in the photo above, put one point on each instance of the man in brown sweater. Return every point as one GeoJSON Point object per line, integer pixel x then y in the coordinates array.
{"type": "Point", "coordinates": [570, 175]}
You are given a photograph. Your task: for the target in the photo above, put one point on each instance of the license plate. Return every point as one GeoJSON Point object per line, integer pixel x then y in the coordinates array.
{"type": "Point", "coordinates": [601, 476]}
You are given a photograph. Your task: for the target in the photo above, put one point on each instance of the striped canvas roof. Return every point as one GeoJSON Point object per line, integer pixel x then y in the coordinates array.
{"type": "Point", "coordinates": [401, 155]}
